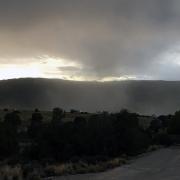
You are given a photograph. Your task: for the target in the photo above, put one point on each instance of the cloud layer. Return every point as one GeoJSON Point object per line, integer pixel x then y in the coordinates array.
{"type": "Point", "coordinates": [97, 39]}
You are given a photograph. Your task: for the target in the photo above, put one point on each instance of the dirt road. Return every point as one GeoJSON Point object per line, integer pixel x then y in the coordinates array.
{"type": "Point", "coordinates": [163, 164]}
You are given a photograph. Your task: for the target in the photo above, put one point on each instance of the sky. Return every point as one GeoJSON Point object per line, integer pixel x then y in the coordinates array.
{"type": "Point", "coordinates": [87, 40]}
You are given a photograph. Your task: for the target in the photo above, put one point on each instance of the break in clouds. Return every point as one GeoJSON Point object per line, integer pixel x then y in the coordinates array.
{"type": "Point", "coordinates": [90, 39]}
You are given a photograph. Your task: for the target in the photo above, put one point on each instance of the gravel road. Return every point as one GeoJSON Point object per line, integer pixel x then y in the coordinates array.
{"type": "Point", "coordinates": [163, 164]}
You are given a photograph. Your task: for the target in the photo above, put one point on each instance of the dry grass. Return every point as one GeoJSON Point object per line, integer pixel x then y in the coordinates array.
{"type": "Point", "coordinates": [16, 173]}
{"type": "Point", "coordinates": [8, 172]}
{"type": "Point", "coordinates": [82, 167]}
{"type": "Point", "coordinates": [153, 148]}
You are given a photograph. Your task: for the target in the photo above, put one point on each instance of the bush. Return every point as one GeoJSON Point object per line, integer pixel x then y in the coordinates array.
{"type": "Point", "coordinates": [163, 139]}
{"type": "Point", "coordinates": [35, 177]}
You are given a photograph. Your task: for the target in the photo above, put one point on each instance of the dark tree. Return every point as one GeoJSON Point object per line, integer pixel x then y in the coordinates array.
{"type": "Point", "coordinates": [174, 126]}
{"type": "Point", "coordinates": [58, 114]}
{"type": "Point", "coordinates": [13, 119]}
{"type": "Point", "coordinates": [36, 121]}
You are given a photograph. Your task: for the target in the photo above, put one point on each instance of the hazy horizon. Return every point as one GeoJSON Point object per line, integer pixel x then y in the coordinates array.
{"type": "Point", "coordinates": [146, 97]}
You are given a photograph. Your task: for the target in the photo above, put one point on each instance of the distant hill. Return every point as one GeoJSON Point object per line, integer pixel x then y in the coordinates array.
{"type": "Point", "coordinates": [147, 97]}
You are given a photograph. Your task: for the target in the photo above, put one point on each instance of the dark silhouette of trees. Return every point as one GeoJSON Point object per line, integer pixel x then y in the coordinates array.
{"type": "Point", "coordinates": [165, 120]}
{"type": "Point", "coordinates": [37, 118]}
{"type": "Point", "coordinates": [57, 116]}
{"type": "Point", "coordinates": [89, 136]}
{"type": "Point", "coordinates": [174, 126]}
{"type": "Point", "coordinates": [35, 127]}
{"type": "Point", "coordinates": [156, 124]}
{"type": "Point", "coordinates": [13, 119]}
{"type": "Point", "coordinates": [9, 134]}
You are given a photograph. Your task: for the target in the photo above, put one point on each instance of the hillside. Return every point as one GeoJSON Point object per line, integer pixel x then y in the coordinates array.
{"type": "Point", "coordinates": [148, 97]}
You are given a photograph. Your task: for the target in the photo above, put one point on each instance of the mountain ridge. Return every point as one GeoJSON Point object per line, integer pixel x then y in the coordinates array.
{"type": "Point", "coordinates": [143, 96]}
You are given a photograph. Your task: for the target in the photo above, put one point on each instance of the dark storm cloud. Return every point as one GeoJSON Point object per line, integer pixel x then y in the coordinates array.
{"type": "Point", "coordinates": [110, 37]}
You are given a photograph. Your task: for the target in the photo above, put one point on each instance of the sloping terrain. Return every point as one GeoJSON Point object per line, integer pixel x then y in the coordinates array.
{"type": "Point", "coordinates": [147, 97]}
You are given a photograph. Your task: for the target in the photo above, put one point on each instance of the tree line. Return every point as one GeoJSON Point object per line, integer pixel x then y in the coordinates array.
{"type": "Point", "coordinates": [100, 136]}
